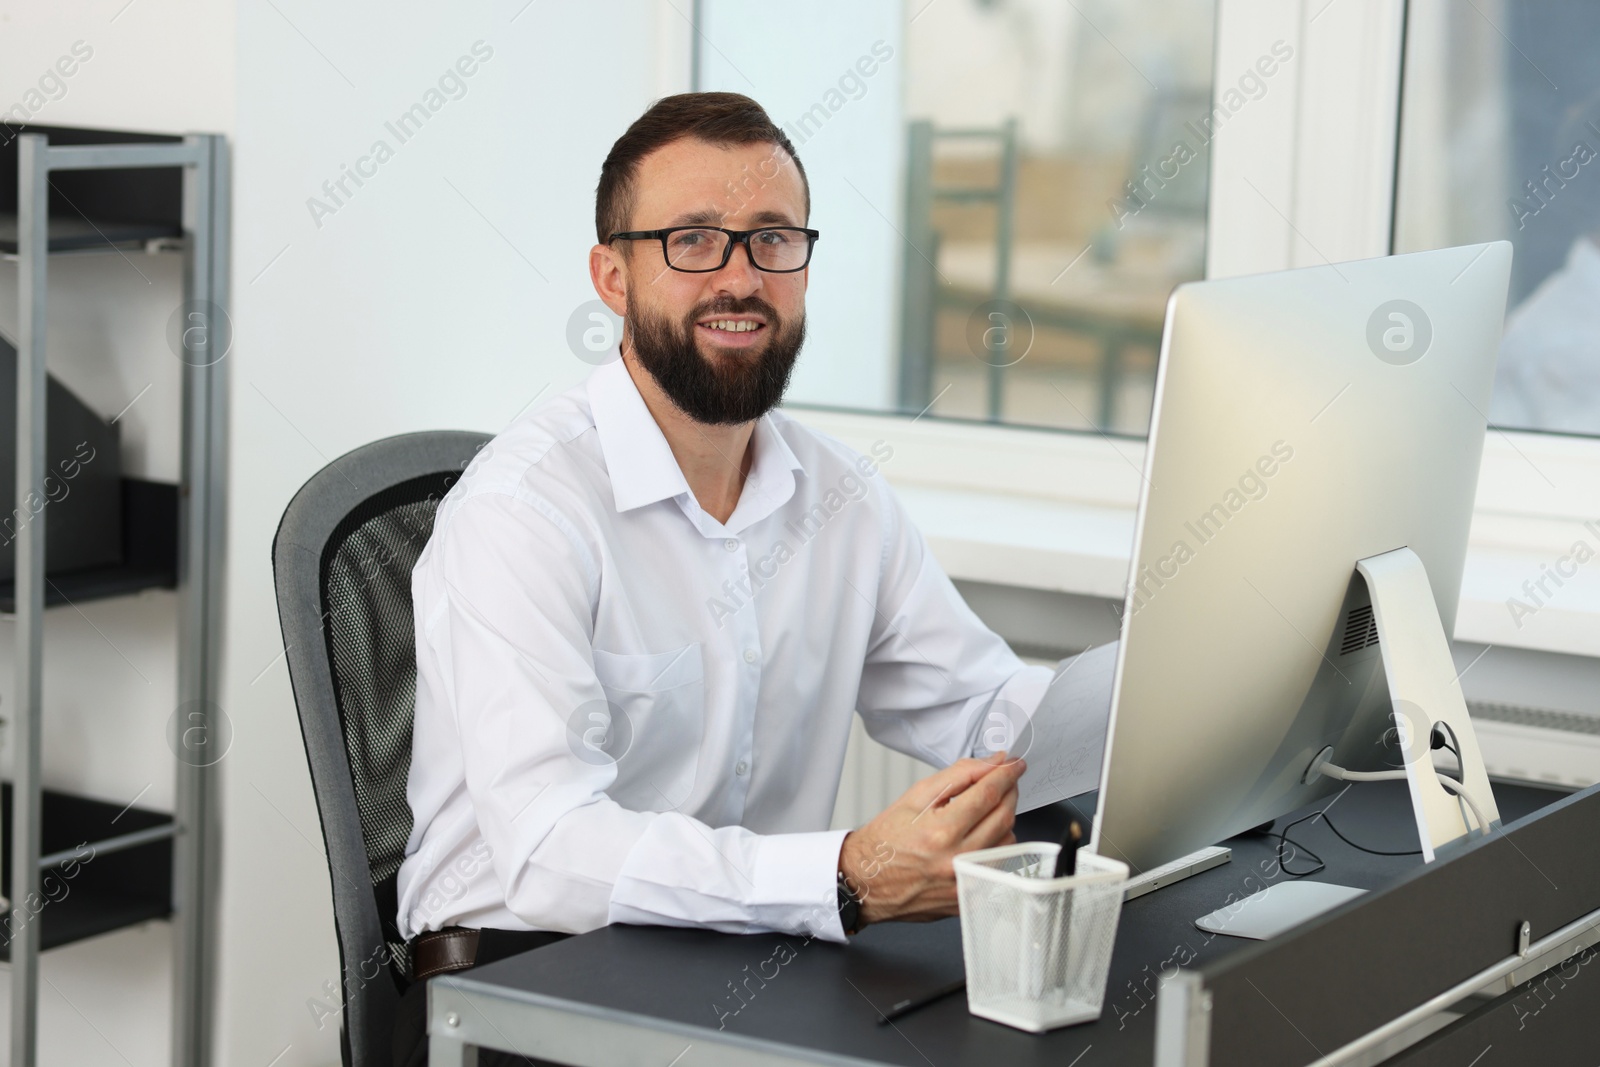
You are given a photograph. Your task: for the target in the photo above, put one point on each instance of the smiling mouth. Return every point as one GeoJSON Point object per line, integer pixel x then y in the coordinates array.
{"type": "Point", "coordinates": [732, 326]}
{"type": "Point", "coordinates": [732, 333]}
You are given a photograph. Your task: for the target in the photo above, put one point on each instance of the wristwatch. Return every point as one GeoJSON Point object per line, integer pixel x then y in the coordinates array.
{"type": "Point", "coordinates": [849, 906]}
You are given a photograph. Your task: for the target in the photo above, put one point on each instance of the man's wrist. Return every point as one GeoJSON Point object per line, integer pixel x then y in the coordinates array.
{"type": "Point", "coordinates": [851, 893]}
{"type": "Point", "coordinates": [849, 907]}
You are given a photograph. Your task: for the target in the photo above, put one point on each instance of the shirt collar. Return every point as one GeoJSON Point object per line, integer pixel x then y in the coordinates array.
{"type": "Point", "coordinates": [643, 469]}
{"type": "Point", "coordinates": [771, 481]}
{"type": "Point", "coordinates": [638, 458]}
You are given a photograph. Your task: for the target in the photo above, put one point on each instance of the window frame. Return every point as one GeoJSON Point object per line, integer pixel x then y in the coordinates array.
{"type": "Point", "coordinates": [993, 500]}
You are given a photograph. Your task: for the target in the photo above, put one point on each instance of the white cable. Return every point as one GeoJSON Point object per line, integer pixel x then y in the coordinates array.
{"type": "Point", "coordinates": [1460, 790]}
{"type": "Point", "coordinates": [1333, 770]}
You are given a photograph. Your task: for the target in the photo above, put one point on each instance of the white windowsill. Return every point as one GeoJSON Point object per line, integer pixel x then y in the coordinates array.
{"type": "Point", "coordinates": [1056, 511]}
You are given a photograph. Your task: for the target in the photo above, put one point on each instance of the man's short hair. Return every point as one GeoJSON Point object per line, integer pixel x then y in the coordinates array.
{"type": "Point", "coordinates": [716, 118]}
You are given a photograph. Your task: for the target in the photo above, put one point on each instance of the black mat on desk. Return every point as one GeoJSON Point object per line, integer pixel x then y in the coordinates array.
{"type": "Point", "coordinates": [826, 996]}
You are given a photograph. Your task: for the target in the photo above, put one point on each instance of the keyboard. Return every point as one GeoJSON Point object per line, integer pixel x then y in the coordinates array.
{"type": "Point", "coordinates": [1176, 871]}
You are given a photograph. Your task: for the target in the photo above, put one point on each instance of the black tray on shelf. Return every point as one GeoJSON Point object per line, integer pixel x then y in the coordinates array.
{"type": "Point", "coordinates": [149, 552]}
{"type": "Point", "coordinates": [94, 208]}
{"type": "Point", "coordinates": [90, 892]}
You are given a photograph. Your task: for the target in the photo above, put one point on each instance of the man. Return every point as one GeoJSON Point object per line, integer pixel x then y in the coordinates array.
{"type": "Point", "coordinates": [650, 609]}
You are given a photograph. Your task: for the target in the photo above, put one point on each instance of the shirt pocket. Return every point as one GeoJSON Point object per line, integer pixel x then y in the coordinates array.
{"type": "Point", "coordinates": [658, 699]}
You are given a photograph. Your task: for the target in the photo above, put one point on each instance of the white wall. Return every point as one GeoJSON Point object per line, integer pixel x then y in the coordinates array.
{"type": "Point", "coordinates": [164, 67]}
{"type": "Point", "coordinates": [436, 296]}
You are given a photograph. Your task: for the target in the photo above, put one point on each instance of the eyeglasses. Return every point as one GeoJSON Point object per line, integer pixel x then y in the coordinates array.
{"type": "Point", "coordinates": [703, 249]}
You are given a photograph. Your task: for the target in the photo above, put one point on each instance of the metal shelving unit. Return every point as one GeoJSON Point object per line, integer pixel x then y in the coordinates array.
{"type": "Point", "coordinates": [205, 214]}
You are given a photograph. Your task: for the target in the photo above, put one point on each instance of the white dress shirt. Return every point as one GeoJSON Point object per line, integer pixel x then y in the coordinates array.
{"type": "Point", "coordinates": [628, 711]}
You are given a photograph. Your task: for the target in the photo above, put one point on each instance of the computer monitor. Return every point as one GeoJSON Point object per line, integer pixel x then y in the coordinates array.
{"type": "Point", "coordinates": [1305, 421]}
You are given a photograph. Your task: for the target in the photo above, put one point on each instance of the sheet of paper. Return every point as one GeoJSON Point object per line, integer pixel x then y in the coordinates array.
{"type": "Point", "coordinates": [1065, 739]}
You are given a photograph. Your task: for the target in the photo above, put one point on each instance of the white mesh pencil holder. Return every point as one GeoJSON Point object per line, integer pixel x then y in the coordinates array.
{"type": "Point", "coordinates": [1037, 949]}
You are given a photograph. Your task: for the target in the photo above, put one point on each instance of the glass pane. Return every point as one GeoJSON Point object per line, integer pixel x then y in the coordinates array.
{"type": "Point", "coordinates": [1008, 190]}
{"type": "Point", "coordinates": [1500, 134]}
{"type": "Point", "coordinates": [1056, 174]}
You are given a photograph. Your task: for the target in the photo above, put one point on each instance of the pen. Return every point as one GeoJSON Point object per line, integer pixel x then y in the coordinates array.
{"type": "Point", "coordinates": [1067, 858]}
{"type": "Point", "coordinates": [1066, 865]}
{"type": "Point", "coordinates": [906, 1006]}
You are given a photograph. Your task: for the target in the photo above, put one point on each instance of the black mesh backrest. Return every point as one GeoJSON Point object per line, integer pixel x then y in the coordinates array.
{"type": "Point", "coordinates": [366, 595]}
{"type": "Point", "coordinates": [366, 602]}
{"type": "Point", "coordinates": [342, 563]}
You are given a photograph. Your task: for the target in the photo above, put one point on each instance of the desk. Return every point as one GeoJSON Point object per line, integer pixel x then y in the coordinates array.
{"type": "Point", "coordinates": [628, 995]}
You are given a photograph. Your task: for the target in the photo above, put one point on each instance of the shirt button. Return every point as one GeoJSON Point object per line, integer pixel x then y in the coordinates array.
{"type": "Point", "coordinates": [750, 655]}
{"type": "Point", "coordinates": [740, 767]}
{"type": "Point", "coordinates": [731, 545]}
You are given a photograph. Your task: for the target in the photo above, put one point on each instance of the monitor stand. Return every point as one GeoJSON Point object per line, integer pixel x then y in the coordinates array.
{"type": "Point", "coordinates": [1425, 694]}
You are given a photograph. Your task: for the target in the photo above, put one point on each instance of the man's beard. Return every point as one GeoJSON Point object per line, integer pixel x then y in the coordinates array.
{"type": "Point", "coordinates": [740, 385]}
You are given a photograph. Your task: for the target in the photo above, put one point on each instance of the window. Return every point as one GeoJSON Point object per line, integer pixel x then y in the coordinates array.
{"type": "Point", "coordinates": [1008, 190]}
{"type": "Point", "coordinates": [1500, 139]}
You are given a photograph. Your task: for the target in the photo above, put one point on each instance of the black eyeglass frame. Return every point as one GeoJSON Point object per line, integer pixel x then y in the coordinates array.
{"type": "Point", "coordinates": [735, 237]}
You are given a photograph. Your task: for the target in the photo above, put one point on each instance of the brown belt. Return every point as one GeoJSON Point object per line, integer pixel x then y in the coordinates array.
{"type": "Point", "coordinates": [454, 948]}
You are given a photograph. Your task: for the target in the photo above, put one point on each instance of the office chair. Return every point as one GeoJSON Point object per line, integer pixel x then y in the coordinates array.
{"type": "Point", "coordinates": [342, 560]}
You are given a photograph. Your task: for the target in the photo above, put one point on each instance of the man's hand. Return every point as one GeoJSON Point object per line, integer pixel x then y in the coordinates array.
{"type": "Point", "coordinates": [899, 863]}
